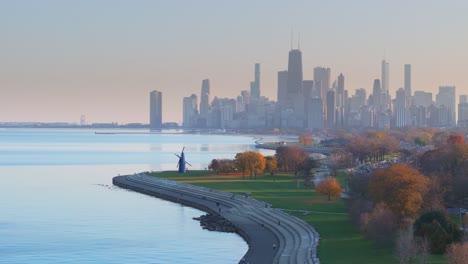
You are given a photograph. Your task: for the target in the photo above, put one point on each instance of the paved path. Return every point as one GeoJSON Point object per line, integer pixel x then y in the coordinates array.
{"type": "Point", "coordinates": [261, 226]}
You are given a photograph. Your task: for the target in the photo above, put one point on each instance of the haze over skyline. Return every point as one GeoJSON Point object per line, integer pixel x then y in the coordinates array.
{"type": "Point", "coordinates": [63, 59]}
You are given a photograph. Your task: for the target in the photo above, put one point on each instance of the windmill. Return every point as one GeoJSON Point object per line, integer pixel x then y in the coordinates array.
{"type": "Point", "coordinates": [182, 162]}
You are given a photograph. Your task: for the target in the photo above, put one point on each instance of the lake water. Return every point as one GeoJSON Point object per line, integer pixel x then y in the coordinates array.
{"type": "Point", "coordinates": [58, 205]}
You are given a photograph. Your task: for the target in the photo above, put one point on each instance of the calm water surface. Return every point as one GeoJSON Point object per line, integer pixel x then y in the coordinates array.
{"type": "Point", "coordinates": [58, 205]}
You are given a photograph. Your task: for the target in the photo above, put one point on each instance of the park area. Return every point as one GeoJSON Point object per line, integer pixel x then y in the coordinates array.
{"type": "Point", "coordinates": [340, 241]}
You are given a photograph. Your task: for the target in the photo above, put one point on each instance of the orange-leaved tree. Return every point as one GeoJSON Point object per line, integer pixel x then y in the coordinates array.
{"type": "Point", "coordinates": [250, 161]}
{"type": "Point", "coordinates": [306, 139]}
{"type": "Point", "coordinates": [290, 158]}
{"type": "Point", "coordinates": [329, 187]}
{"type": "Point", "coordinates": [400, 187]}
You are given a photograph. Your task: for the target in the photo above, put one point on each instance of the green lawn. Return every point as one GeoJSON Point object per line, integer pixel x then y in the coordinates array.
{"type": "Point", "coordinates": [340, 241]}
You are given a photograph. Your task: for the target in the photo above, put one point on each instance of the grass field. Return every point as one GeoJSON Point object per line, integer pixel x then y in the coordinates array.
{"type": "Point", "coordinates": [340, 241]}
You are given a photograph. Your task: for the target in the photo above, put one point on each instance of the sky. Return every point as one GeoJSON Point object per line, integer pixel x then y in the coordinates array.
{"type": "Point", "coordinates": [60, 59]}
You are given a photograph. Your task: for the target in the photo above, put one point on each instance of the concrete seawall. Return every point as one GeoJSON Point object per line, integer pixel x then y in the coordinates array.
{"type": "Point", "coordinates": [273, 236]}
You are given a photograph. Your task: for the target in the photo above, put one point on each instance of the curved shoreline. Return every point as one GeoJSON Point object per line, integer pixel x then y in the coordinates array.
{"type": "Point", "coordinates": [272, 236]}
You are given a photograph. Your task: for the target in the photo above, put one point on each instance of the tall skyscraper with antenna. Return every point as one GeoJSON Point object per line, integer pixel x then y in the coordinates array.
{"type": "Point", "coordinates": [385, 77]}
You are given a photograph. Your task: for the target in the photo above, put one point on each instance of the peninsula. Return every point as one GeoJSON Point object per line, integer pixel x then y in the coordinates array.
{"type": "Point", "coordinates": [273, 236]}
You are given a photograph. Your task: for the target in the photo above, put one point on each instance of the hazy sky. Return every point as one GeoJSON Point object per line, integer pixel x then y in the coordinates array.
{"type": "Point", "coordinates": [61, 59]}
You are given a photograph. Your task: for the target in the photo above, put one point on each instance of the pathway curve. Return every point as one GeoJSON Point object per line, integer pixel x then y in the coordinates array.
{"type": "Point", "coordinates": [273, 236]}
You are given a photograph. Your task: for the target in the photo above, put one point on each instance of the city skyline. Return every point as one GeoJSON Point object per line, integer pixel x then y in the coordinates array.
{"type": "Point", "coordinates": [57, 64]}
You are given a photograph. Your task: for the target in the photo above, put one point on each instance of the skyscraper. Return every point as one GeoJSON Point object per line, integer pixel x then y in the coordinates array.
{"type": "Point", "coordinates": [205, 98]}
{"type": "Point", "coordinates": [385, 76]}
{"type": "Point", "coordinates": [340, 91]}
{"type": "Point", "coordinates": [408, 84]}
{"type": "Point", "coordinates": [190, 110]}
{"type": "Point", "coordinates": [155, 110]}
{"type": "Point", "coordinates": [463, 111]}
{"type": "Point", "coordinates": [322, 79]}
{"type": "Point", "coordinates": [446, 98]}
{"type": "Point", "coordinates": [255, 85]}
{"type": "Point", "coordinates": [295, 72]}
{"type": "Point", "coordinates": [377, 95]}
{"type": "Point", "coordinates": [331, 114]}
{"type": "Point", "coordinates": [282, 88]}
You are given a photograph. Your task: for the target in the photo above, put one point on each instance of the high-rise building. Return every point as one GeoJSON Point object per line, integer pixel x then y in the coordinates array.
{"type": "Point", "coordinates": [322, 79]}
{"type": "Point", "coordinates": [331, 115]}
{"type": "Point", "coordinates": [377, 95]}
{"type": "Point", "coordinates": [463, 111]}
{"type": "Point", "coordinates": [314, 108]}
{"type": "Point", "coordinates": [308, 87]}
{"type": "Point", "coordinates": [446, 98]}
{"type": "Point", "coordinates": [205, 98]}
{"type": "Point", "coordinates": [408, 84]}
{"type": "Point", "coordinates": [255, 85]}
{"type": "Point", "coordinates": [422, 98]}
{"type": "Point", "coordinates": [282, 88]}
{"type": "Point", "coordinates": [340, 91]}
{"type": "Point", "coordinates": [295, 72]}
{"type": "Point", "coordinates": [385, 77]}
{"type": "Point", "coordinates": [190, 110]}
{"type": "Point", "coordinates": [401, 109]}
{"type": "Point", "coordinates": [155, 110]}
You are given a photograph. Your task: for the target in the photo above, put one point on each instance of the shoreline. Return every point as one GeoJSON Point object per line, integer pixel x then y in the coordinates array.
{"type": "Point", "coordinates": [272, 236]}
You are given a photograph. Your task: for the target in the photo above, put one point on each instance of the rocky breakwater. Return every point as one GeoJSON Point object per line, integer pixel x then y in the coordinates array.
{"type": "Point", "coordinates": [214, 222]}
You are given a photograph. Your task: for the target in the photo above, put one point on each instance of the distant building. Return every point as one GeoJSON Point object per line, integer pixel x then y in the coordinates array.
{"type": "Point", "coordinates": [205, 98]}
{"type": "Point", "coordinates": [446, 98]}
{"type": "Point", "coordinates": [314, 113]}
{"type": "Point", "coordinates": [255, 85]}
{"type": "Point", "coordinates": [282, 88]}
{"type": "Point", "coordinates": [155, 110]}
{"type": "Point", "coordinates": [385, 76]}
{"type": "Point", "coordinates": [331, 114]}
{"type": "Point", "coordinates": [322, 79]}
{"type": "Point", "coordinates": [190, 111]}
{"type": "Point", "coordinates": [463, 111]}
{"type": "Point", "coordinates": [295, 72]}
{"type": "Point", "coordinates": [422, 98]}
{"type": "Point", "coordinates": [407, 86]}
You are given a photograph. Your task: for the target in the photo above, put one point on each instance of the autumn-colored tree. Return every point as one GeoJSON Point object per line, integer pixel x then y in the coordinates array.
{"type": "Point", "coordinates": [250, 161]}
{"type": "Point", "coordinates": [400, 187]}
{"type": "Point", "coordinates": [290, 158]}
{"type": "Point", "coordinates": [455, 139]}
{"type": "Point", "coordinates": [458, 253]}
{"type": "Point", "coordinates": [306, 139]}
{"type": "Point", "coordinates": [451, 162]}
{"type": "Point", "coordinates": [271, 164]}
{"type": "Point", "coordinates": [329, 187]}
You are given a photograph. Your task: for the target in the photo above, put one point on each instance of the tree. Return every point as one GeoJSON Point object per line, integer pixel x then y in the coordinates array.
{"type": "Point", "coordinates": [380, 224]}
{"type": "Point", "coordinates": [223, 165]}
{"type": "Point", "coordinates": [400, 187]}
{"type": "Point", "coordinates": [457, 253]}
{"type": "Point", "coordinates": [306, 139]}
{"type": "Point", "coordinates": [290, 158]}
{"type": "Point", "coordinates": [440, 230]}
{"type": "Point", "coordinates": [214, 165]}
{"type": "Point", "coordinates": [455, 139]}
{"type": "Point", "coordinates": [329, 187]}
{"type": "Point", "coordinates": [250, 161]}
{"type": "Point", "coordinates": [271, 164]}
